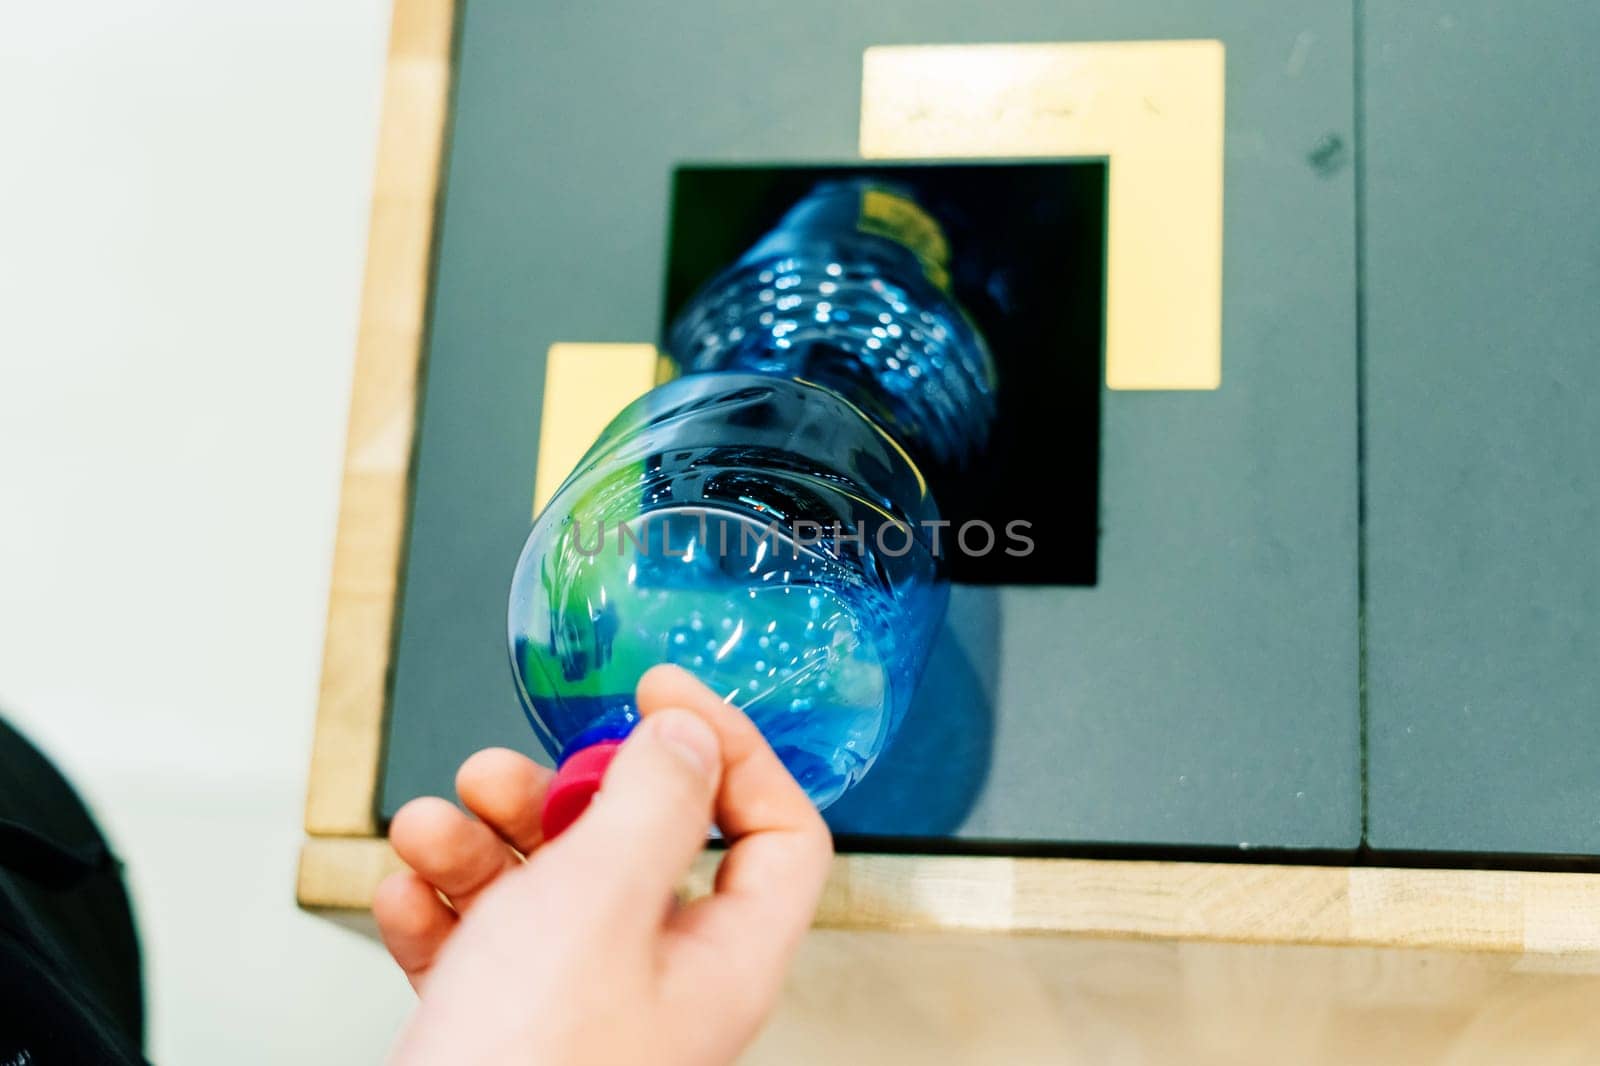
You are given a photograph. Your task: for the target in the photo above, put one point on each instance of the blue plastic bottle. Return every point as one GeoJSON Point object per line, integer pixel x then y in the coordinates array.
{"type": "Point", "coordinates": [761, 521]}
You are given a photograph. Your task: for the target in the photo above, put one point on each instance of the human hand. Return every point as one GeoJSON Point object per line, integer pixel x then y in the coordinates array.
{"type": "Point", "coordinates": [582, 954]}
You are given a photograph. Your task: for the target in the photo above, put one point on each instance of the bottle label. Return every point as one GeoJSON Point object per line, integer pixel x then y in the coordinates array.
{"type": "Point", "coordinates": [885, 214]}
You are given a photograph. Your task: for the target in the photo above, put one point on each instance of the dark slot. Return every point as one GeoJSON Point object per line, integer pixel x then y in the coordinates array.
{"type": "Point", "coordinates": [1028, 264]}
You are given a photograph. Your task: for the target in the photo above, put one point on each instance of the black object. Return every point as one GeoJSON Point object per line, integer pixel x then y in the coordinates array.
{"type": "Point", "coordinates": [70, 986]}
{"type": "Point", "coordinates": [1027, 262]}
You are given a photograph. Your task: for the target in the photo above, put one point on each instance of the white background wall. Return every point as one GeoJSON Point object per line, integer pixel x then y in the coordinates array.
{"type": "Point", "coordinates": [183, 207]}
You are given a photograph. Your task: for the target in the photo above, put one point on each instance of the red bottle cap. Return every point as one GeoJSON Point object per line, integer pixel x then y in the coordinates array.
{"type": "Point", "coordinates": [575, 785]}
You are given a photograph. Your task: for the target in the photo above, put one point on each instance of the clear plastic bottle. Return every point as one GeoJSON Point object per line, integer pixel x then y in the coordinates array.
{"type": "Point", "coordinates": [761, 520]}
{"type": "Point", "coordinates": [851, 291]}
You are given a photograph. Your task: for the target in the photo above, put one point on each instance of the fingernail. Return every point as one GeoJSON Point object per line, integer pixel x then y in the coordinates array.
{"type": "Point", "coordinates": [688, 737]}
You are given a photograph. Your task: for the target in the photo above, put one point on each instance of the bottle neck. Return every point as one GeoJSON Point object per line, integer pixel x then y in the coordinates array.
{"type": "Point", "coordinates": [851, 291]}
{"type": "Point", "coordinates": [883, 216]}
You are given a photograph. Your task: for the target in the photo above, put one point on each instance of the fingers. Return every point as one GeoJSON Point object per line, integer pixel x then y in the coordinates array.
{"type": "Point", "coordinates": [456, 854]}
{"type": "Point", "coordinates": [413, 922]}
{"type": "Point", "coordinates": [779, 848]}
{"type": "Point", "coordinates": [758, 793]}
{"type": "Point", "coordinates": [505, 790]}
{"type": "Point", "coordinates": [651, 815]}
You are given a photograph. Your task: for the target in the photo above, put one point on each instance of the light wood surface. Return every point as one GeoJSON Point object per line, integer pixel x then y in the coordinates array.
{"type": "Point", "coordinates": [908, 999]}
{"type": "Point", "coordinates": [1555, 915]}
{"type": "Point", "coordinates": [373, 501]}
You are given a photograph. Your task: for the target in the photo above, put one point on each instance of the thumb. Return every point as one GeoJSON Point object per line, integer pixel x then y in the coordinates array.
{"type": "Point", "coordinates": [651, 815]}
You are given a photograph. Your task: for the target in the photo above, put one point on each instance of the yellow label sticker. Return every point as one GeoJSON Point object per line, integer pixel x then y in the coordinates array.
{"type": "Point", "coordinates": [1154, 108]}
{"type": "Point", "coordinates": [585, 387]}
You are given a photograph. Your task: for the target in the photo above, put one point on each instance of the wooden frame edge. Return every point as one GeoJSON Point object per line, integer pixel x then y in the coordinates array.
{"type": "Point", "coordinates": [374, 504]}
{"type": "Point", "coordinates": [1537, 913]}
